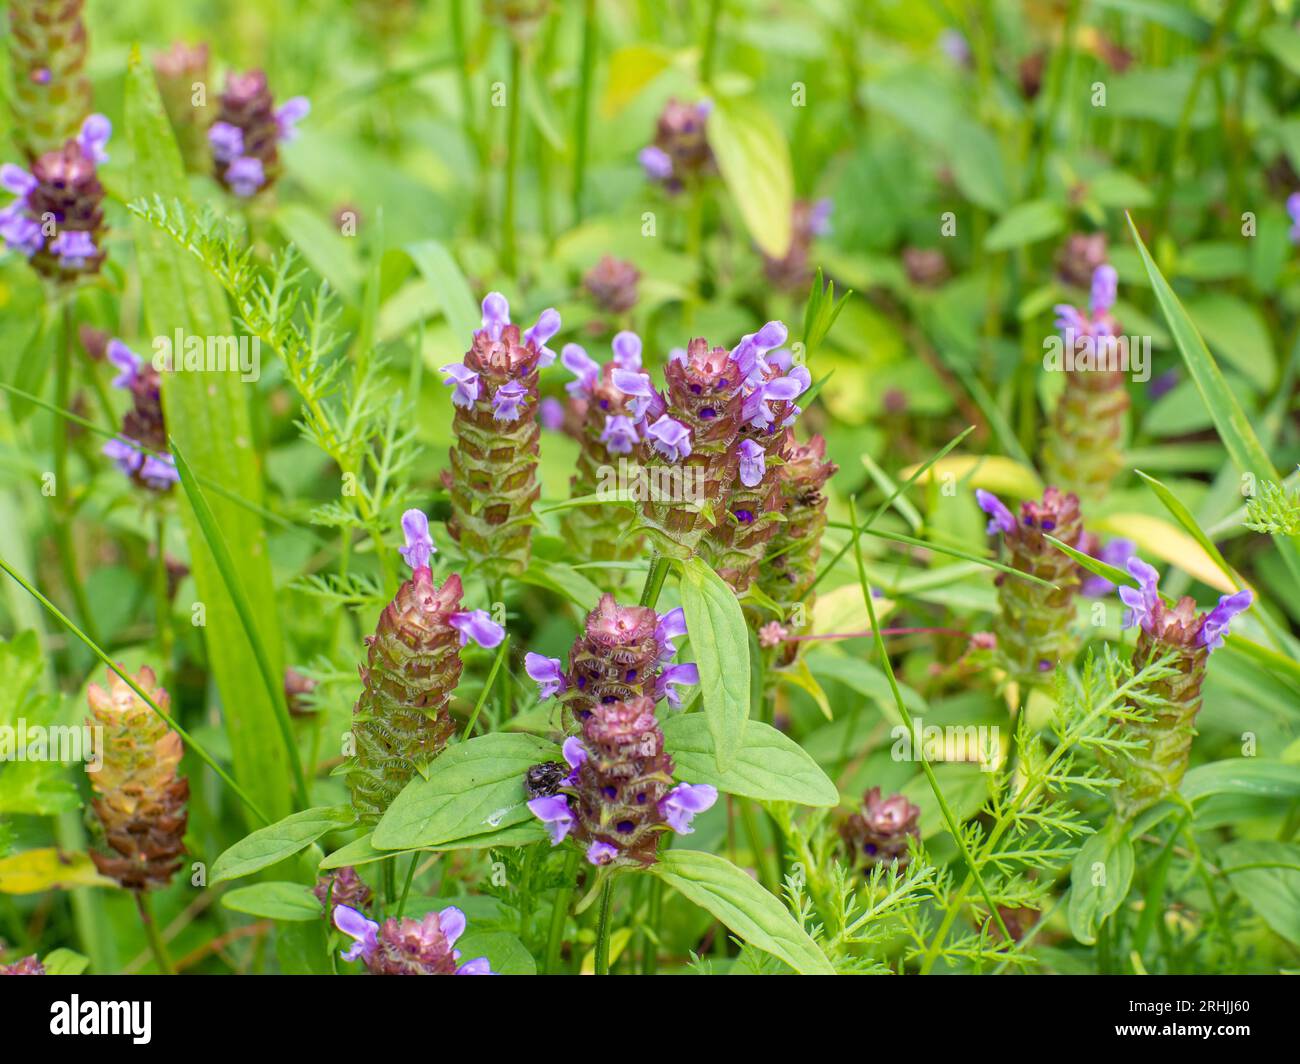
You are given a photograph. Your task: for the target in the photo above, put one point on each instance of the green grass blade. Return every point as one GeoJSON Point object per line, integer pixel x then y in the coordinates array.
{"type": "Point", "coordinates": [208, 416]}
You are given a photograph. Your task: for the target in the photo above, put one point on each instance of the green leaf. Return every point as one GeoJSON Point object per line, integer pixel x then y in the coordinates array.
{"type": "Point", "coordinates": [977, 168]}
{"type": "Point", "coordinates": [470, 789]}
{"type": "Point", "coordinates": [1238, 335]}
{"type": "Point", "coordinates": [39, 871]}
{"type": "Point", "coordinates": [35, 787]}
{"type": "Point", "coordinates": [277, 841]}
{"type": "Point", "coordinates": [505, 953]}
{"type": "Point", "coordinates": [1267, 874]}
{"type": "Point", "coordinates": [1242, 775]}
{"type": "Point", "coordinates": [361, 851]}
{"type": "Point", "coordinates": [563, 580]}
{"type": "Point", "coordinates": [1231, 421]}
{"type": "Point", "coordinates": [275, 901]}
{"type": "Point", "coordinates": [720, 643]}
{"type": "Point", "coordinates": [437, 266]}
{"type": "Point", "coordinates": [64, 962]}
{"type": "Point", "coordinates": [208, 416]}
{"type": "Point", "coordinates": [768, 766]}
{"type": "Point", "coordinates": [755, 163]}
{"type": "Point", "coordinates": [328, 251]}
{"type": "Point", "coordinates": [719, 887]}
{"type": "Point", "coordinates": [1284, 42]}
{"type": "Point", "coordinates": [1026, 223]}
{"type": "Point", "coordinates": [1099, 880]}
{"type": "Point", "coordinates": [1184, 517]}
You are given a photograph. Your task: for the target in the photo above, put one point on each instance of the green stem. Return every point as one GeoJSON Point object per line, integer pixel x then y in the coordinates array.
{"type": "Point", "coordinates": [515, 105]}
{"type": "Point", "coordinates": [650, 959]}
{"type": "Point", "coordinates": [710, 41]}
{"type": "Point", "coordinates": [582, 115]}
{"type": "Point", "coordinates": [406, 887]}
{"type": "Point", "coordinates": [560, 914]}
{"type": "Point", "coordinates": [151, 932]}
{"type": "Point", "coordinates": [654, 581]}
{"type": "Point", "coordinates": [162, 600]}
{"type": "Point", "coordinates": [603, 928]}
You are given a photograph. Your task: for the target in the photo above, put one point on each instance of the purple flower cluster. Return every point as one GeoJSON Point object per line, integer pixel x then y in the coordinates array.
{"type": "Point", "coordinates": [140, 451]}
{"type": "Point", "coordinates": [681, 147]}
{"type": "Point", "coordinates": [1181, 625]}
{"type": "Point", "coordinates": [248, 131]}
{"type": "Point", "coordinates": [618, 395]}
{"type": "Point", "coordinates": [61, 190]}
{"type": "Point", "coordinates": [1098, 321]}
{"type": "Point", "coordinates": [408, 947]}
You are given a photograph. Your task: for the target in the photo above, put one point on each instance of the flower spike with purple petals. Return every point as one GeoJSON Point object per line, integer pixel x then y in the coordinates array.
{"type": "Point", "coordinates": [246, 135]}
{"type": "Point", "coordinates": [143, 428]}
{"type": "Point", "coordinates": [1183, 639]}
{"type": "Point", "coordinates": [680, 151]}
{"type": "Point", "coordinates": [493, 476]}
{"type": "Point", "coordinates": [409, 946]}
{"type": "Point", "coordinates": [419, 546]}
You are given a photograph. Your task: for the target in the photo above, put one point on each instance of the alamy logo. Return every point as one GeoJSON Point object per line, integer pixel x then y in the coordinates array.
{"type": "Point", "coordinates": [134, 1018]}
{"type": "Point", "coordinates": [65, 743]}
{"type": "Point", "coordinates": [963, 743]}
{"type": "Point", "coordinates": [1073, 353]}
{"type": "Point", "coordinates": [180, 353]}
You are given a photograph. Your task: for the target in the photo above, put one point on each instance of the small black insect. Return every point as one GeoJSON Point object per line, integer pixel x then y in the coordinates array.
{"type": "Point", "coordinates": [545, 780]}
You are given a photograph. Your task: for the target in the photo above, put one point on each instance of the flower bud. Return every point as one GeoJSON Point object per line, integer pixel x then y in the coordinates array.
{"type": "Point", "coordinates": [878, 833]}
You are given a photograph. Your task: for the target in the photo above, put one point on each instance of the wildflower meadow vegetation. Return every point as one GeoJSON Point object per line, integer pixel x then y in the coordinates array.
{"type": "Point", "coordinates": [634, 487]}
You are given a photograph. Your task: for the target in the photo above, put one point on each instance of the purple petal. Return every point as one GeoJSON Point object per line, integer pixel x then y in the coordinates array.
{"type": "Point", "coordinates": [548, 324]}
{"type": "Point", "coordinates": [1218, 619]}
{"type": "Point", "coordinates": [627, 350]}
{"type": "Point", "coordinates": [509, 401]}
{"type": "Point", "coordinates": [574, 752]}
{"type": "Point", "coordinates": [680, 805]}
{"type": "Point", "coordinates": [601, 853]}
{"type": "Point", "coordinates": [670, 438]}
{"type": "Point", "coordinates": [546, 672]}
{"type": "Point", "coordinates": [356, 926]}
{"type": "Point", "coordinates": [685, 675]}
{"type": "Point", "coordinates": [17, 180]}
{"type": "Point", "coordinates": [554, 812]}
{"type": "Point", "coordinates": [93, 138]}
{"type": "Point", "coordinates": [1117, 553]}
{"type": "Point", "coordinates": [620, 435]}
{"type": "Point", "coordinates": [550, 412]}
{"type": "Point", "coordinates": [419, 544]}
{"type": "Point", "coordinates": [125, 360]}
{"type": "Point", "coordinates": [291, 112]}
{"type": "Point", "coordinates": [671, 625]}
{"type": "Point", "coordinates": [496, 314]}
{"type": "Point", "coordinates": [465, 382]}
{"type": "Point", "coordinates": [478, 966]}
{"type": "Point", "coordinates": [656, 163]}
{"type": "Point", "coordinates": [753, 463]}
{"type": "Point", "coordinates": [245, 176]}
{"type": "Point", "coordinates": [478, 626]}
{"type": "Point", "coordinates": [1105, 288]}
{"type": "Point", "coordinates": [1001, 519]}
{"type": "Point", "coordinates": [452, 922]}
{"type": "Point", "coordinates": [227, 141]}
{"type": "Point", "coordinates": [74, 247]}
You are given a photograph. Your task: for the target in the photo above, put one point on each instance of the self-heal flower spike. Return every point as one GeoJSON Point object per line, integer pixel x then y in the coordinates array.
{"type": "Point", "coordinates": [1083, 449]}
{"type": "Point", "coordinates": [47, 55]}
{"type": "Point", "coordinates": [878, 833]}
{"type": "Point", "coordinates": [620, 656]}
{"type": "Point", "coordinates": [400, 722]}
{"type": "Point", "coordinates": [619, 797]}
{"type": "Point", "coordinates": [611, 283]}
{"type": "Point", "coordinates": [612, 429]}
{"type": "Point", "coordinates": [409, 946]}
{"type": "Point", "coordinates": [140, 800]}
{"type": "Point", "coordinates": [246, 134]}
{"type": "Point", "coordinates": [1034, 623]}
{"type": "Point", "coordinates": [680, 151]}
{"type": "Point", "coordinates": [789, 564]}
{"type": "Point", "coordinates": [140, 450]}
{"type": "Point", "coordinates": [57, 218]}
{"type": "Point", "coordinates": [1157, 766]}
{"type": "Point", "coordinates": [493, 474]}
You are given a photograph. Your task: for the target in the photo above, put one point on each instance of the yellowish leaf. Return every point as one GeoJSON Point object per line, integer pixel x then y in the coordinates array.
{"type": "Point", "coordinates": [36, 871]}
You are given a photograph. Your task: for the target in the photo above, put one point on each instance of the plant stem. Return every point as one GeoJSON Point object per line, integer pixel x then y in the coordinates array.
{"type": "Point", "coordinates": [710, 41]}
{"type": "Point", "coordinates": [654, 581]}
{"type": "Point", "coordinates": [515, 105]}
{"type": "Point", "coordinates": [406, 887]}
{"type": "Point", "coordinates": [650, 959]}
{"type": "Point", "coordinates": [162, 600]}
{"type": "Point", "coordinates": [560, 914]}
{"type": "Point", "coordinates": [582, 115]}
{"type": "Point", "coordinates": [151, 931]}
{"type": "Point", "coordinates": [603, 928]}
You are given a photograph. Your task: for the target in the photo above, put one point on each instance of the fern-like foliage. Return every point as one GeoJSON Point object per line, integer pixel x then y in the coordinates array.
{"type": "Point", "coordinates": [1274, 510]}
{"type": "Point", "coordinates": [346, 412]}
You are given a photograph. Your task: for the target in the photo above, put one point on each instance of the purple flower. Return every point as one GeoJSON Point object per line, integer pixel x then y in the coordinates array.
{"type": "Point", "coordinates": [575, 754]}
{"type": "Point", "coordinates": [478, 626]}
{"type": "Point", "coordinates": [245, 176]}
{"type": "Point", "coordinates": [601, 853]}
{"type": "Point", "coordinates": [546, 672]}
{"type": "Point", "coordinates": [19, 231]}
{"type": "Point", "coordinates": [508, 401]}
{"type": "Point", "coordinates": [1143, 599]}
{"type": "Point", "coordinates": [550, 412]}
{"type": "Point", "coordinates": [548, 324]}
{"type": "Point", "coordinates": [125, 360]}
{"type": "Point", "coordinates": [1293, 209]}
{"type": "Point", "coordinates": [671, 625]}
{"type": "Point", "coordinates": [753, 346]}
{"type": "Point", "coordinates": [290, 113]}
{"type": "Point", "coordinates": [627, 350]}
{"type": "Point", "coordinates": [465, 381]}
{"type": "Point", "coordinates": [955, 47]}
{"type": "Point", "coordinates": [365, 933]}
{"type": "Point", "coordinates": [1069, 319]}
{"type": "Point", "coordinates": [1001, 519]}
{"type": "Point", "coordinates": [581, 365]}
{"type": "Point", "coordinates": [753, 463]}
{"type": "Point", "coordinates": [1117, 553]}
{"type": "Point", "coordinates": [496, 314]}
{"type": "Point", "coordinates": [656, 162]}
{"type": "Point", "coordinates": [687, 675]}
{"type": "Point", "coordinates": [819, 217]}
{"type": "Point", "coordinates": [1105, 288]}
{"type": "Point", "coordinates": [636, 384]}
{"type": "Point", "coordinates": [670, 438]}
{"type": "Point", "coordinates": [756, 408]}
{"type": "Point", "coordinates": [680, 805]}
{"type": "Point", "coordinates": [227, 141]}
{"type": "Point", "coordinates": [1218, 619]}
{"type": "Point", "coordinates": [74, 247]}
{"type": "Point", "coordinates": [478, 966]}
{"type": "Point", "coordinates": [555, 813]}
{"type": "Point", "coordinates": [17, 180]}
{"type": "Point", "coordinates": [157, 472]}
{"type": "Point", "coordinates": [93, 138]}
{"type": "Point", "coordinates": [419, 544]}
{"type": "Point", "coordinates": [620, 434]}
